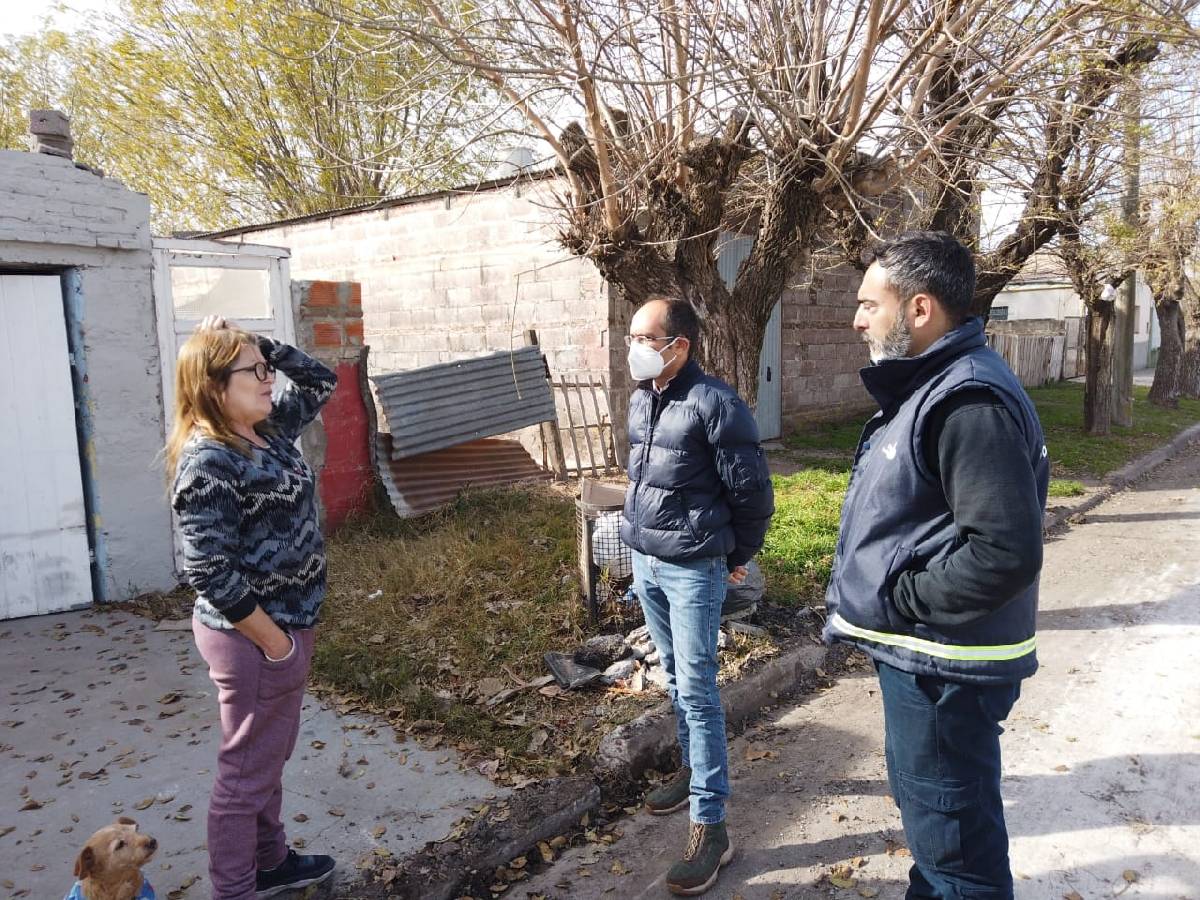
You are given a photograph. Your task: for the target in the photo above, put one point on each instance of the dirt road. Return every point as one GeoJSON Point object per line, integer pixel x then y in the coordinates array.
{"type": "Point", "coordinates": [1102, 753]}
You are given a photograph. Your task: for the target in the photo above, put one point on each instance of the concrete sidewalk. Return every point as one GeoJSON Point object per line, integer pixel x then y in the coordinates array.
{"type": "Point", "coordinates": [1102, 772]}
{"type": "Point", "coordinates": [104, 715]}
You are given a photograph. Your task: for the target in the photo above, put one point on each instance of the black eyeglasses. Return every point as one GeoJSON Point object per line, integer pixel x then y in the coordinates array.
{"type": "Point", "coordinates": [647, 339]}
{"type": "Point", "coordinates": [262, 371]}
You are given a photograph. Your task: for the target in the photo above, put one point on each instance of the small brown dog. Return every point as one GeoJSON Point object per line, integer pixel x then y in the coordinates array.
{"type": "Point", "coordinates": [109, 866]}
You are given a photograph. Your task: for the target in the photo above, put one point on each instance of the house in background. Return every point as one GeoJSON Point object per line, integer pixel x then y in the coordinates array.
{"type": "Point", "coordinates": [1042, 291]}
{"type": "Point", "coordinates": [459, 273]}
{"type": "Point", "coordinates": [92, 312]}
{"type": "Point", "coordinates": [83, 505]}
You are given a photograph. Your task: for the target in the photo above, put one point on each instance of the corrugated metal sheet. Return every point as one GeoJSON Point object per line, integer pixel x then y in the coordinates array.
{"type": "Point", "coordinates": [422, 483]}
{"type": "Point", "coordinates": [732, 252]}
{"type": "Point", "coordinates": [451, 403]}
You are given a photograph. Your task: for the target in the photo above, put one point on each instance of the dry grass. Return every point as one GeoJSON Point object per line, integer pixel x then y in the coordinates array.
{"type": "Point", "coordinates": [426, 620]}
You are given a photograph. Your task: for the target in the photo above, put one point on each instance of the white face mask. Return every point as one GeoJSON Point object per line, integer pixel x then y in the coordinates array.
{"type": "Point", "coordinates": [645, 362]}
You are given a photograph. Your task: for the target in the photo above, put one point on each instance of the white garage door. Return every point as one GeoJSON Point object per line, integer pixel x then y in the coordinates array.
{"type": "Point", "coordinates": [44, 559]}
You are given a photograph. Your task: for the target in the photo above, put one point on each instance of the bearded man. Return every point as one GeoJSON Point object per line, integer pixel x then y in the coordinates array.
{"type": "Point", "coordinates": [936, 570]}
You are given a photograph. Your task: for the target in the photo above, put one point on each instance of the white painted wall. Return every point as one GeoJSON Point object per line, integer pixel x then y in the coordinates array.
{"type": "Point", "coordinates": [57, 218]}
{"type": "Point", "coordinates": [1051, 300]}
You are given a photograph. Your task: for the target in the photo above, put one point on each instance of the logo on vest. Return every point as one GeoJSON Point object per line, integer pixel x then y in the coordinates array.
{"type": "Point", "coordinates": [889, 450]}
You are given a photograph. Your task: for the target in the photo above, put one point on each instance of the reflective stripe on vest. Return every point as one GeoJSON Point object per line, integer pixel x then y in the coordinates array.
{"type": "Point", "coordinates": [998, 653]}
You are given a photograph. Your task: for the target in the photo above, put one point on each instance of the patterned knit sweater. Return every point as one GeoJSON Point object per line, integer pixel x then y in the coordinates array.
{"type": "Point", "coordinates": [249, 524]}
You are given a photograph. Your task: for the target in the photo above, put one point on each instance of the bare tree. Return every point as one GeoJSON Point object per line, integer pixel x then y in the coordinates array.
{"type": "Point", "coordinates": [1096, 267]}
{"type": "Point", "coordinates": [1082, 105]}
{"type": "Point", "coordinates": [1189, 378]}
{"type": "Point", "coordinates": [1168, 288]}
{"type": "Point", "coordinates": [1101, 247]}
{"type": "Point", "coordinates": [1170, 241]}
{"type": "Point", "coordinates": [675, 120]}
{"type": "Point", "coordinates": [1026, 136]}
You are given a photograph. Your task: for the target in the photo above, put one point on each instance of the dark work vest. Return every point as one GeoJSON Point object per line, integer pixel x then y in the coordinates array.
{"type": "Point", "coordinates": [896, 518]}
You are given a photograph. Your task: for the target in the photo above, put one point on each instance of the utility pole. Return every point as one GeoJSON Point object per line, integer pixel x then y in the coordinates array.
{"type": "Point", "coordinates": [1126, 310]}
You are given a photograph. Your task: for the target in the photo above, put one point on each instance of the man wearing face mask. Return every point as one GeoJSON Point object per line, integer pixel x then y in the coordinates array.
{"type": "Point", "coordinates": [697, 510]}
{"type": "Point", "coordinates": [936, 570]}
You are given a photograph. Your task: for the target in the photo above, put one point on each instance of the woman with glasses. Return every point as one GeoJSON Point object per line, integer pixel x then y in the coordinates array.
{"type": "Point", "coordinates": [253, 552]}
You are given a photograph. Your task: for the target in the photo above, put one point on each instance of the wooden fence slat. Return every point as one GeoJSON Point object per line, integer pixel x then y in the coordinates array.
{"type": "Point", "coordinates": [593, 383]}
{"type": "Point", "coordinates": [571, 425]}
{"type": "Point", "coordinates": [601, 459]}
{"type": "Point", "coordinates": [1038, 359]}
{"type": "Point", "coordinates": [587, 437]}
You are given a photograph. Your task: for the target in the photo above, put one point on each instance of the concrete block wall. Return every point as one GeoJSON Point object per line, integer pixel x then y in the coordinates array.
{"type": "Point", "coordinates": [452, 277]}
{"type": "Point", "coordinates": [457, 276]}
{"type": "Point", "coordinates": [821, 351]}
{"type": "Point", "coordinates": [58, 218]}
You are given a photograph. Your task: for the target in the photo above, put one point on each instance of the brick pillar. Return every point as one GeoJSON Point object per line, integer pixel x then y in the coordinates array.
{"type": "Point", "coordinates": [330, 328]}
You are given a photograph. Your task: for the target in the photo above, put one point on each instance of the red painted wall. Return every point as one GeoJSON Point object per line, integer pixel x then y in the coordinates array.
{"type": "Point", "coordinates": [345, 481]}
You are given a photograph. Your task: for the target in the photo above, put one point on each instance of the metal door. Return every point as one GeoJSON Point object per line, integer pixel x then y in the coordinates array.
{"type": "Point", "coordinates": [45, 561]}
{"type": "Point", "coordinates": [769, 411]}
{"type": "Point", "coordinates": [732, 250]}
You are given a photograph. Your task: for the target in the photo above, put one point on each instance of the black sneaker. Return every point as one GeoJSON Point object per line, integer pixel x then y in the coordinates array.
{"type": "Point", "coordinates": [293, 873]}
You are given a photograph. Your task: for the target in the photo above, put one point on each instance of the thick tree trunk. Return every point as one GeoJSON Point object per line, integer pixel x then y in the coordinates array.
{"type": "Point", "coordinates": [733, 346]}
{"type": "Point", "coordinates": [1189, 376]}
{"type": "Point", "coordinates": [1165, 389]}
{"type": "Point", "coordinates": [1098, 387]}
{"type": "Point", "coordinates": [733, 331]}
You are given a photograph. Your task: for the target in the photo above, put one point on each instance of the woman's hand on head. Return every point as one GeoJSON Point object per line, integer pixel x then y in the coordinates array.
{"type": "Point", "coordinates": [212, 323]}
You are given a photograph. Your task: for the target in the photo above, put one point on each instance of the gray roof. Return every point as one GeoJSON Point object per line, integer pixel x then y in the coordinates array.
{"type": "Point", "coordinates": [385, 203]}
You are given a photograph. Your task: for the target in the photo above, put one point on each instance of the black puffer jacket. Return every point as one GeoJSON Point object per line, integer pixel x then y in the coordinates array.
{"type": "Point", "coordinates": [699, 485]}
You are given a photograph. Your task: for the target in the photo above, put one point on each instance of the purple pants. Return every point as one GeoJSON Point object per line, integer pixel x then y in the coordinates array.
{"type": "Point", "coordinates": [260, 719]}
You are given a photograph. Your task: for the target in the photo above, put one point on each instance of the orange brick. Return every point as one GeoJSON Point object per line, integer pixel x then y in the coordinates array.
{"type": "Point", "coordinates": [354, 332]}
{"type": "Point", "coordinates": [355, 294]}
{"type": "Point", "coordinates": [322, 294]}
{"type": "Point", "coordinates": [327, 334]}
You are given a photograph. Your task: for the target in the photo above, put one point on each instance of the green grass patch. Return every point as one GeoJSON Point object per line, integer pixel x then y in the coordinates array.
{"type": "Point", "coordinates": [1073, 453]}
{"type": "Point", "coordinates": [1060, 487]}
{"type": "Point", "coordinates": [798, 552]}
{"type": "Point", "coordinates": [827, 439]}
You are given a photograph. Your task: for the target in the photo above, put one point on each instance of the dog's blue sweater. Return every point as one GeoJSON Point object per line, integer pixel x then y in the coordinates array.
{"type": "Point", "coordinates": [146, 893]}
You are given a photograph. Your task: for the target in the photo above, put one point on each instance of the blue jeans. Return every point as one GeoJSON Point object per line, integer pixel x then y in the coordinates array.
{"type": "Point", "coordinates": [943, 759]}
{"type": "Point", "coordinates": [682, 602]}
